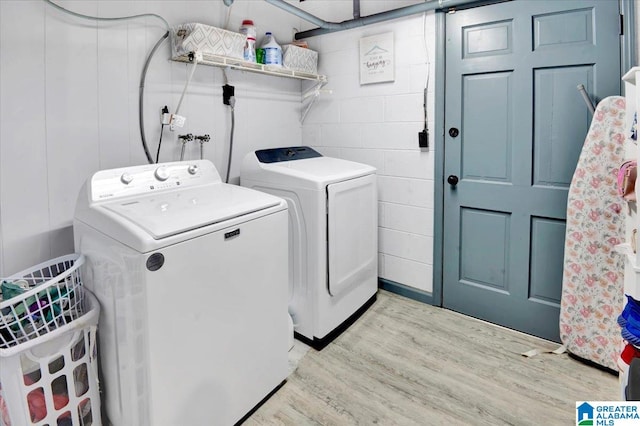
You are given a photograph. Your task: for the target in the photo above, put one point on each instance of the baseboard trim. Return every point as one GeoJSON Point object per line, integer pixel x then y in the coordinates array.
{"type": "Point", "coordinates": [406, 291]}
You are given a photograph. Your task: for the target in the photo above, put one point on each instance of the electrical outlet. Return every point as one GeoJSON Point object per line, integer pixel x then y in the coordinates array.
{"type": "Point", "coordinates": [423, 140]}
{"type": "Point", "coordinates": [177, 121]}
{"type": "Point", "coordinates": [165, 117]}
{"type": "Point", "coordinates": [227, 92]}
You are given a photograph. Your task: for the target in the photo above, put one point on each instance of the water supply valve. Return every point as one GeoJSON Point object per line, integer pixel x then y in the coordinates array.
{"type": "Point", "coordinates": [202, 139]}
{"type": "Point", "coordinates": [184, 139]}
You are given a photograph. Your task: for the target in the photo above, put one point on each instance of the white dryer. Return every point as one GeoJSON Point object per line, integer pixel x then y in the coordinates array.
{"type": "Point", "coordinates": [333, 235]}
{"type": "Point", "coordinates": [191, 276]}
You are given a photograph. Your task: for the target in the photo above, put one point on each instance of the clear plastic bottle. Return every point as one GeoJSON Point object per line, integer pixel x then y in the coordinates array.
{"type": "Point", "coordinates": [272, 50]}
{"type": "Point", "coordinates": [249, 30]}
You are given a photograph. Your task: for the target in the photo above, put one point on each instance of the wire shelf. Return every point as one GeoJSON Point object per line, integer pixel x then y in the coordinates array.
{"type": "Point", "coordinates": [225, 61]}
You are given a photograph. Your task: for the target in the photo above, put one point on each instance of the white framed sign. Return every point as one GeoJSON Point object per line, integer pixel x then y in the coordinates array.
{"type": "Point", "coordinates": [376, 59]}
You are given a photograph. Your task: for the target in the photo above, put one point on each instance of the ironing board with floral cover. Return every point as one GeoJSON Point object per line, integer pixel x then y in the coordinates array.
{"type": "Point", "coordinates": [593, 278]}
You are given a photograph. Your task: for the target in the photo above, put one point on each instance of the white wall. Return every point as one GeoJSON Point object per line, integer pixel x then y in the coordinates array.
{"type": "Point", "coordinates": [378, 124]}
{"type": "Point", "coordinates": [69, 106]}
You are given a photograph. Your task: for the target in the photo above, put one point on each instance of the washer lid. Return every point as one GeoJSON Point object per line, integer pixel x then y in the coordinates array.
{"type": "Point", "coordinates": [311, 173]}
{"type": "Point", "coordinates": [326, 168]}
{"type": "Point", "coordinates": [293, 153]}
{"type": "Point", "coordinates": [172, 212]}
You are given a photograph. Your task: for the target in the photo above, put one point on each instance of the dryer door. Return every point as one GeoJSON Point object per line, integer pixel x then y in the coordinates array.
{"type": "Point", "coordinates": [352, 222]}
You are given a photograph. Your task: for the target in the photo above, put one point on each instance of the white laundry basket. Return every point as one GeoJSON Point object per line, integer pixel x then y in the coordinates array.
{"type": "Point", "coordinates": [48, 364]}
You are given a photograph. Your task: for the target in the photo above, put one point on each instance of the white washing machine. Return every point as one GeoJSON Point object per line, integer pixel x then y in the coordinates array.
{"type": "Point", "coordinates": [333, 235]}
{"type": "Point", "coordinates": [192, 279]}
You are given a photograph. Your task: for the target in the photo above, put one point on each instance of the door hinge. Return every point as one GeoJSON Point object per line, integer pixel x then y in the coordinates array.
{"type": "Point", "coordinates": [621, 24]}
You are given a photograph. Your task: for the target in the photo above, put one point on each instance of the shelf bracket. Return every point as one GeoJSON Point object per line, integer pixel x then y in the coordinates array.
{"type": "Point", "coordinates": [310, 97]}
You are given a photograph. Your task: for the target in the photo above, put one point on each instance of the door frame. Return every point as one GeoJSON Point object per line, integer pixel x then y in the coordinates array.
{"type": "Point", "coordinates": [627, 59]}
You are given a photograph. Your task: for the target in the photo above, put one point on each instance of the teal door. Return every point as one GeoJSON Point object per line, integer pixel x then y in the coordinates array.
{"type": "Point", "coordinates": [514, 127]}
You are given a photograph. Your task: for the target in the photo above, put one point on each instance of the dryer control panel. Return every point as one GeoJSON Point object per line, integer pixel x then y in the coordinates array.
{"type": "Point", "coordinates": [145, 179]}
{"type": "Point", "coordinates": [276, 155]}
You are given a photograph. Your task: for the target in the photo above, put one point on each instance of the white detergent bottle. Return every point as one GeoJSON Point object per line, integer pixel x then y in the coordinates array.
{"type": "Point", "coordinates": [249, 30]}
{"type": "Point", "coordinates": [272, 50]}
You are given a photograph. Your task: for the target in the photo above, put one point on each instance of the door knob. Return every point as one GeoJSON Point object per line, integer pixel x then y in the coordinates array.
{"type": "Point", "coordinates": [453, 180]}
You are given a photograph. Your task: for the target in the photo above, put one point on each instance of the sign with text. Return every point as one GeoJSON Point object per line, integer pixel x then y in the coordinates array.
{"type": "Point", "coordinates": [376, 59]}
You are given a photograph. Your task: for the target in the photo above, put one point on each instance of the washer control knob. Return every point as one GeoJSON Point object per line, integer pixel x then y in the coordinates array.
{"type": "Point", "coordinates": [193, 169]}
{"type": "Point", "coordinates": [162, 173]}
{"type": "Point", "coordinates": [126, 178]}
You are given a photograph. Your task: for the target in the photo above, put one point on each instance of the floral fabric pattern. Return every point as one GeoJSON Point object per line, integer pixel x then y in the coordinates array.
{"type": "Point", "coordinates": [593, 278]}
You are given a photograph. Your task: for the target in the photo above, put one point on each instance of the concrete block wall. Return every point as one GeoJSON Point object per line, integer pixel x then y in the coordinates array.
{"type": "Point", "coordinates": [378, 124]}
{"type": "Point", "coordinates": [69, 107]}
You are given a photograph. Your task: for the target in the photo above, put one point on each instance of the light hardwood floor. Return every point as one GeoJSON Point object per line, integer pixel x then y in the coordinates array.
{"type": "Point", "coordinates": [408, 363]}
